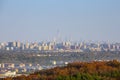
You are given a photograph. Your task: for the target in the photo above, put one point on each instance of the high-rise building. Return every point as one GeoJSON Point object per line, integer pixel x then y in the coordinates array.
{"type": "Point", "coordinates": [18, 44]}
{"type": "Point", "coordinates": [14, 44]}
{"type": "Point", "coordinates": [27, 45]}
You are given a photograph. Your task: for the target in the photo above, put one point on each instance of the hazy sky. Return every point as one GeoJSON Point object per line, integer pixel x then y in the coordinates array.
{"type": "Point", "coordinates": [38, 20]}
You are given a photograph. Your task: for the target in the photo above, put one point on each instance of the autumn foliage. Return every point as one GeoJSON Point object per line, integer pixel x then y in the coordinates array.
{"type": "Point", "coordinates": [96, 70]}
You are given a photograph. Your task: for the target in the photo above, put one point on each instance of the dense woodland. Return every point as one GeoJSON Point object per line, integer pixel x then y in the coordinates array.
{"type": "Point", "coordinates": [100, 70]}
{"type": "Point", "coordinates": [27, 57]}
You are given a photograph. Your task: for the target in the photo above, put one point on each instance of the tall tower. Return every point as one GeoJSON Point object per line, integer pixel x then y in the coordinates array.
{"type": "Point", "coordinates": [57, 38]}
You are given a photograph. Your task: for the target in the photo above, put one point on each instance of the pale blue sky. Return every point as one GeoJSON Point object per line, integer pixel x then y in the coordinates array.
{"type": "Point", "coordinates": [38, 20]}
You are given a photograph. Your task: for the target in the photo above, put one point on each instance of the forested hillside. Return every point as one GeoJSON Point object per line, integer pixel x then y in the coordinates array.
{"type": "Point", "coordinates": [102, 70]}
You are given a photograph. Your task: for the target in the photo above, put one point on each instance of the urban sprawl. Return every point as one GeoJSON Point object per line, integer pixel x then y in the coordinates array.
{"type": "Point", "coordinates": [59, 46]}
{"type": "Point", "coordinates": [13, 69]}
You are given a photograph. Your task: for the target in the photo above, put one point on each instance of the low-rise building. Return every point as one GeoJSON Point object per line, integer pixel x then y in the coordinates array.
{"type": "Point", "coordinates": [7, 74]}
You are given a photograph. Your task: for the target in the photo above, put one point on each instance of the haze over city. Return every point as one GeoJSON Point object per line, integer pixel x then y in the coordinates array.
{"type": "Point", "coordinates": [41, 20]}
{"type": "Point", "coordinates": [59, 40]}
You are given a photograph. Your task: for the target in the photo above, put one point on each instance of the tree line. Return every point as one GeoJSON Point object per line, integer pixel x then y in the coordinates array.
{"type": "Point", "coordinates": [95, 70]}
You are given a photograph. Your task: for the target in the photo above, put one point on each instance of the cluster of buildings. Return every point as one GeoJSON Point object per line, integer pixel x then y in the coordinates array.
{"type": "Point", "coordinates": [59, 46]}
{"type": "Point", "coordinates": [17, 69]}
{"type": "Point", "coordinates": [13, 69]}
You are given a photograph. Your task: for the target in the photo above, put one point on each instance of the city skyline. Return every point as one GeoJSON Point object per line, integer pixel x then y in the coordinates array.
{"type": "Point", "coordinates": [66, 20]}
{"type": "Point", "coordinates": [59, 46]}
